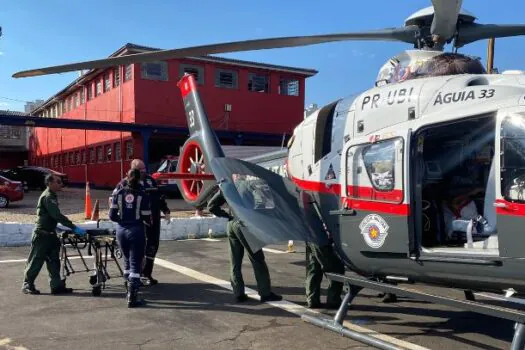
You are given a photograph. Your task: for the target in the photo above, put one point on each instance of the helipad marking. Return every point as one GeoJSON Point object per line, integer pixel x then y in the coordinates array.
{"type": "Point", "coordinates": [284, 304]}
{"type": "Point", "coordinates": [5, 343]}
{"type": "Point", "coordinates": [24, 260]}
{"type": "Point", "coordinates": [275, 251]}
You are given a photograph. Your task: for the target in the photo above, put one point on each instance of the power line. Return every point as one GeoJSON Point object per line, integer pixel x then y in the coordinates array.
{"type": "Point", "coordinates": [13, 99]}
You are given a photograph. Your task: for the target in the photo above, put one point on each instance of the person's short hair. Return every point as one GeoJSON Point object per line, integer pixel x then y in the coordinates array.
{"type": "Point", "coordinates": [136, 162]}
{"type": "Point", "coordinates": [450, 63]}
{"type": "Point", "coordinates": [49, 179]}
{"type": "Point", "coordinates": [133, 177]}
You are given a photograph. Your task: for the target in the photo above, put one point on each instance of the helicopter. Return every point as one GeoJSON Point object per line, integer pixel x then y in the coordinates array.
{"type": "Point", "coordinates": [419, 179]}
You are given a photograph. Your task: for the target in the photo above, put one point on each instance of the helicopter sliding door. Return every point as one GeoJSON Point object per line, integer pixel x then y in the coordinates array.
{"type": "Point", "coordinates": [374, 190]}
{"type": "Point", "coordinates": [510, 191]}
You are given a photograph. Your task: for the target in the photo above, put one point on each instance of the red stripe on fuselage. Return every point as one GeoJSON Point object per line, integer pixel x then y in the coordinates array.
{"type": "Point", "coordinates": [512, 209]}
{"type": "Point", "coordinates": [368, 205]}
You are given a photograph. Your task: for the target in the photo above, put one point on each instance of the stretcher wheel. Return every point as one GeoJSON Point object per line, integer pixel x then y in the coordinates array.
{"type": "Point", "coordinates": [92, 280]}
{"type": "Point", "coordinates": [96, 291]}
{"type": "Point", "coordinates": [118, 253]}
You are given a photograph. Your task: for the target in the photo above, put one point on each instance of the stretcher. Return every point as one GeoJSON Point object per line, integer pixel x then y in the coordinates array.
{"type": "Point", "coordinates": [101, 243]}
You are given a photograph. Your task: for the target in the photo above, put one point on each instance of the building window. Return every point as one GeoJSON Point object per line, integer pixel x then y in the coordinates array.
{"type": "Point", "coordinates": [107, 82]}
{"type": "Point", "coordinates": [83, 156]}
{"type": "Point", "coordinates": [77, 100]}
{"type": "Point", "coordinates": [196, 71]}
{"type": "Point", "coordinates": [70, 101]}
{"type": "Point", "coordinates": [89, 92]}
{"type": "Point", "coordinates": [77, 156]}
{"type": "Point", "coordinates": [289, 87]}
{"type": "Point", "coordinates": [108, 153]}
{"type": "Point", "coordinates": [64, 159]}
{"type": "Point", "coordinates": [116, 77]}
{"type": "Point", "coordinates": [92, 155]}
{"type": "Point", "coordinates": [82, 97]}
{"type": "Point", "coordinates": [71, 158]}
{"type": "Point", "coordinates": [258, 83]}
{"type": "Point", "coordinates": [129, 72]}
{"type": "Point", "coordinates": [117, 151]}
{"type": "Point", "coordinates": [100, 155]}
{"type": "Point", "coordinates": [98, 90]}
{"type": "Point", "coordinates": [154, 71]}
{"type": "Point", "coordinates": [129, 150]}
{"type": "Point", "coordinates": [61, 108]}
{"type": "Point", "coordinates": [226, 78]}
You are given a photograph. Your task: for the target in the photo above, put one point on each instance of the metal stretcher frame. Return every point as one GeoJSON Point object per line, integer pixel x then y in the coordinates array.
{"type": "Point", "coordinates": [101, 242]}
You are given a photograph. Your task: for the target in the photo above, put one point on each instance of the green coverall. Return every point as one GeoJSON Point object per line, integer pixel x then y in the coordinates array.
{"type": "Point", "coordinates": [45, 245]}
{"type": "Point", "coordinates": [237, 245]}
{"type": "Point", "coordinates": [321, 259]}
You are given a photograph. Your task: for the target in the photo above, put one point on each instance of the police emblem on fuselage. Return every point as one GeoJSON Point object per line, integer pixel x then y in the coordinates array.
{"type": "Point", "coordinates": [374, 230]}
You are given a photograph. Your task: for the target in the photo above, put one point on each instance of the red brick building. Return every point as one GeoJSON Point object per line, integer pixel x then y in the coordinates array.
{"type": "Point", "coordinates": [256, 102]}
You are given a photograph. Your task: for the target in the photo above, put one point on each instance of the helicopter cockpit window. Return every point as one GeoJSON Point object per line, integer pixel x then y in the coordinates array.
{"type": "Point", "coordinates": [374, 171]}
{"type": "Point", "coordinates": [379, 164]}
{"type": "Point", "coordinates": [513, 158]}
{"type": "Point", "coordinates": [254, 192]}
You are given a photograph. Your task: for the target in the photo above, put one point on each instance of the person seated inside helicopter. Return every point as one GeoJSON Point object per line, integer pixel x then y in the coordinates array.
{"type": "Point", "coordinates": [461, 215]}
{"type": "Point", "coordinates": [429, 64]}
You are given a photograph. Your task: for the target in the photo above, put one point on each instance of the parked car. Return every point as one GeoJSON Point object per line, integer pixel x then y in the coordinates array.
{"type": "Point", "coordinates": [167, 186]}
{"type": "Point", "coordinates": [10, 191]}
{"type": "Point", "coordinates": [32, 176]}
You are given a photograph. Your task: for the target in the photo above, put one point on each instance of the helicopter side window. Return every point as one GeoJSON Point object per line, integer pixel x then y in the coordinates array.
{"type": "Point", "coordinates": [513, 159]}
{"type": "Point", "coordinates": [375, 171]}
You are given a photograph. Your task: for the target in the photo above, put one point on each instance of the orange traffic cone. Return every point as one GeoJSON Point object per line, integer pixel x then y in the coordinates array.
{"type": "Point", "coordinates": [95, 215]}
{"type": "Point", "coordinates": [87, 208]}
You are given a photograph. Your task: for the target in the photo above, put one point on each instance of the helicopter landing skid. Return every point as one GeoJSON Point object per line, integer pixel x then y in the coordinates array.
{"type": "Point", "coordinates": [355, 284]}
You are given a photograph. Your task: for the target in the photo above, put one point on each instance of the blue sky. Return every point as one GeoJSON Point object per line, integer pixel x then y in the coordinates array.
{"type": "Point", "coordinates": [40, 33]}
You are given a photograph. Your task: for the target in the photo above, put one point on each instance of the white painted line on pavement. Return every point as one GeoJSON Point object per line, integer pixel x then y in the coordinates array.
{"type": "Point", "coordinates": [5, 343]}
{"type": "Point", "coordinates": [24, 260]}
{"type": "Point", "coordinates": [275, 251]}
{"type": "Point", "coordinates": [283, 304]}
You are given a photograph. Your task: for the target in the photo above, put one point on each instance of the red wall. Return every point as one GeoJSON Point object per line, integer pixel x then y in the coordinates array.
{"type": "Point", "coordinates": [160, 102]}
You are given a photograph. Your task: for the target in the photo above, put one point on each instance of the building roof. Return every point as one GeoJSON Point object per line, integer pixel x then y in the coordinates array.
{"type": "Point", "coordinates": [130, 48]}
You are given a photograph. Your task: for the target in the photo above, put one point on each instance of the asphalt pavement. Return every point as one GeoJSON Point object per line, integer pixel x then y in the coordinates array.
{"type": "Point", "coordinates": [193, 308]}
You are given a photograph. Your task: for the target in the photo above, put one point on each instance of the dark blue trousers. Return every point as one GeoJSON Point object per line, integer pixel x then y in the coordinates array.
{"type": "Point", "coordinates": [132, 242]}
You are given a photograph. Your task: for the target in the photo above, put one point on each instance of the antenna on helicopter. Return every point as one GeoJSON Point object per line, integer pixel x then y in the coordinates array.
{"type": "Point", "coordinates": [490, 56]}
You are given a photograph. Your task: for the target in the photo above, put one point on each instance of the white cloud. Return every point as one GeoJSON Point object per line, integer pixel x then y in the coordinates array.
{"type": "Point", "coordinates": [4, 104]}
{"type": "Point", "coordinates": [1, 53]}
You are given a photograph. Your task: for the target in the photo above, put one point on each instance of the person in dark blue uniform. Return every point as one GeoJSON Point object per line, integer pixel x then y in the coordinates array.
{"type": "Point", "coordinates": [158, 205]}
{"type": "Point", "coordinates": [131, 210]}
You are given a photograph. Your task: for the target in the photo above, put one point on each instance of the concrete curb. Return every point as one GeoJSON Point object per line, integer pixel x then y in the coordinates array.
{"type": "Point", "coordinates": [15, 234]}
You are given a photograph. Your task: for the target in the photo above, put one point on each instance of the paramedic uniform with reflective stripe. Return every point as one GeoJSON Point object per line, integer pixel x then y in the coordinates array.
{"type": "Point", "coordinates": [158, 204]}
{"type": "Point", "coordinates": [130, 209]}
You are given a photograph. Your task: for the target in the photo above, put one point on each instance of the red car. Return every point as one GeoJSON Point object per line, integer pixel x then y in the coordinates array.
{"type": "Point", "coordinates": [10, 191]}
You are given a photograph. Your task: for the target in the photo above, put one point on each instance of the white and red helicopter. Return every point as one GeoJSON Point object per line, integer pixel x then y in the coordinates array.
{"type": "Point", "coordinates": [418, 179]}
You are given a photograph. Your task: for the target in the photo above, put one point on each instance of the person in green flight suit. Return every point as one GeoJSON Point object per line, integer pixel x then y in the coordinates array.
{"type": "Point", "coordinates": [321, 259]}
{"type": "Point", "coordinates": [237, 246]}
{"type": "Point", "coordinates": [45, 244]}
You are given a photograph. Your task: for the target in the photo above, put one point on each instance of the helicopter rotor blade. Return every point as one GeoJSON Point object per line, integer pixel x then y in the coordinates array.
{"type": "Point", "coordinates": [445, 20]}
{"type": "Point", "coordinates": [472, 32]}
{"type": "Point", "coordinates": [405, 34]}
